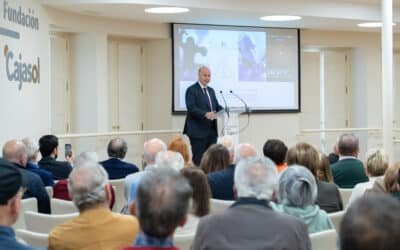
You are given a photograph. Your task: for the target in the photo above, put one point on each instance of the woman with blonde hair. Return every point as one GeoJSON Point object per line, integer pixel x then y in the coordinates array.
{"type": "Point", "coordinates": [376, 163]}
{"type": "Point", "coordinates": [328, 197]}
{"type": "Point", "coordinates": [180, 144]}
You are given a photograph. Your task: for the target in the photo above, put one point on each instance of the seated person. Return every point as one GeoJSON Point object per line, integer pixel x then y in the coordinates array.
{"type": "Point", "coordinates": [297, 195]}
{"type": "Point", "coordinates": [276, 150]}
{"type": "Point", "coordinates": [115, 166]}
{"type": "Point", "coordinates": [181, 144]}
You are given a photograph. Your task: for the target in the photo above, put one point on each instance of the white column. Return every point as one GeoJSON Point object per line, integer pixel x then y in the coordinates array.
{"type": "Point", "coordinates": [387, 77]}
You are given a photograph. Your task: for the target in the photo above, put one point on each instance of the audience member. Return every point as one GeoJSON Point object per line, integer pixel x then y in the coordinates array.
{"type": "Point", "coordinates": [32, 150]}
{"type": "Point", "coordinates": [371, 223]}
{"type": "Point", "coordinates": [328, 197]}
{"type": "Point", "coordinates": [324, 172]}
{"type": "Point", "coordinates": [14, 151]}
{"type": "Point", "coordinates": [215, 158]}
{"type": "Point", "coordinates": [115, 166]}
{"type": "Point", "coordinates": [375, 166]}
{"type": "Point", "coordinates": [96, 227]}
{"type": "Point", "coordinates": [334, 156]}
{"type": "Point", "coordinates": [348, 171]}
{"type": "Point", "coordinates": [200, 205]}
{"type": "Point", "coordinates": [391, 180]}
{"type": "Point", "coordinates": [227, 141]}
{"type": "Point", "coordinates": [150, 150]}
{"type": "Point", "coordinates": [221, 182]}
{"type": "Point", "coordinates": [276, 150]}
{"type": "Point", "coordinates": [48, 147]}
{"type": "Point", "coordinates": [297, 195]}
{"type": "Point", "coordinates": [256, 183]}
{"type": "Point", "coordinates": [10, 204]}
{"type": "Point", "coordinates": [162, 204]}
{"type": "Point", "coordinates": [181, 144]}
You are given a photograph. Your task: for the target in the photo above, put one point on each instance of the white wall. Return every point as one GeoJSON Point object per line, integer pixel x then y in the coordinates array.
{"type": "Point", "coordinates": [25, 111]}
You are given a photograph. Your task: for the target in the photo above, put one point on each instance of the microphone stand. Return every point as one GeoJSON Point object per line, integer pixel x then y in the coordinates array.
{"type": "Point", "coordinates": [247, 110]}
{"type": "Point", "coordinates": [226, 110]}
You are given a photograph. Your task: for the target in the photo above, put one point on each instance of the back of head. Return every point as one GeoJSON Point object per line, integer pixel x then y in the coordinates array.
{"type": "Point", "coordinates": [390, 178]}
{"type": "Point", "coordinates": [324, 172]}
{"type": "Point", "coordinates": [372, 222]}
{"type": "Point", "coordinates": [305, 155]}
{"type": "Point", "coordinates": [243, 151]}
{"type": "Point", "coordinates": [348, 145]}
{"type": "Point", "coordinates": [201, 190]}
{"type": "Point", "coordinates": [215, 158]}
{"type": "Point", "coordinates": [256, 177]}
{"type": "Point", "coordinates": [227, 141]}
{"type": "Point", "coordinates": [170, 159]}
{"type": "Point", "coordinates": [151, 148]}
{"type": "Point", "coordinates": [377, 162]}
{"type": "Point", "coordinates": [117, 148]}
{"type": "Point", "coordinates": [86, 185]}
{"type": "Point", "coordinates": [275, 150]}
{"type": "Point", "coordinates": [15, 151]}
{"type": "Point", "coordinates": [32, 148]}
{"type": "Point", "coordinates": [181, 145]}
{"type": "Point", "coordinates": [162, 201]}
{"type": "Point", "coordinates": [88, 156]}
{"type": "Point", "coordinates": [47, 144]}
{"type": "Point", "coordinates": [297, 187]}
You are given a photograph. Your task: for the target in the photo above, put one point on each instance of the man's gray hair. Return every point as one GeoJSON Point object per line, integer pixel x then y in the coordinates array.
{"type": "Point", "coordinates": [151, 148]}
{"type": "Point", "coordinates": [348, 144]}
{"type": "Point", "coordinates": [162, 201]}
{"type": "Point", "coordinates": [170, 159]}
{"type": "Point", "coordinates": [227, 141]}
{"type": "Point", "coordinates": [32, 147]}
{"type": "Point", "coordinates": [117, 148]}
{"type": "Point", "coordinates": [242, 151]}
{"type": "Point", "coordinates": [88, 156]}
{"type": "Point", "coordinates": [256, 177]}
{"type": "Point", "coordinates": [297, 187]}
{"type": "Point", "coordinates": [86, 185]}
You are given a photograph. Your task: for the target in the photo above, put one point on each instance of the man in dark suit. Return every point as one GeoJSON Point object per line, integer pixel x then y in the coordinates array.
{"type": "Point", "coordinates": [14, 151]}
{"type": "Point", "coordinates": [48, 147]}
{"type": "Point", "coordinates": [256, 181]}
{"type": "Point", "coordinates": [115, 166]}
{"type": "Point", "coordinates": [201, 122]}
{"type": "Point", "coordinates": [348, 171]}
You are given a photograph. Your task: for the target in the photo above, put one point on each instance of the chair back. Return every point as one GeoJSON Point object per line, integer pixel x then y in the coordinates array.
{"type": "Point", "coordinates": [118, 185]}
{"type": "Point", "coordinates": [49, 191]}
{"type": "Point", "coordinates": [345, 193]}
{"type": "Point", "coordinates": [324, 240]}
{"type": "Point", "coordinates": [183, 241]}
{"type": "Point", "coordinates": [29, 204]}
{"type": "Point", "coordinates": [37, 240]}
{"type": "Point", "coordinates": [44, 223]}
{"type": "Point", "coordinates": [217, 205]}
{"type": "Point", "coordinates": [336, 219]}
{"type": "Point", "coordinates": [59, 206]}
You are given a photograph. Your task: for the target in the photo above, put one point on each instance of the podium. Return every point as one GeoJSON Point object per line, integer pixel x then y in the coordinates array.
{"type": "Point", "coordinates": [231, 123]}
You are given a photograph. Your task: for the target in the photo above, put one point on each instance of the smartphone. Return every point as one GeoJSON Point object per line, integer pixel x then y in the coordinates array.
{"type": "Point", "coordinates": [68, 150]}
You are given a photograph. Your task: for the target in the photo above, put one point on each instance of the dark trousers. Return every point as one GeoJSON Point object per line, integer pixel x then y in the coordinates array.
{"type": "Point", "coordinates": [199, 146]}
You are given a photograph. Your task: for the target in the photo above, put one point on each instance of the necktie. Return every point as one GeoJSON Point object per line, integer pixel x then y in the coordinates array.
{"type": "Point", "coordinates": [207, 99]}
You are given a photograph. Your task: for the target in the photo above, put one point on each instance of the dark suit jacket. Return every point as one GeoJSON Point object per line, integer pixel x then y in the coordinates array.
{"type": "Point", "coordinates": [34, 188]}
{"type": "Point", "coordinates": [46, 176]}
{"type": "Point", "coordinates": [329, 198]}
{"type": "Point", "coordinates": [249, 224]}
{"type": "Point", "coordinates": [348, 172]}
{"type": "Point", "coordinates": [221, 183]}
{"type": "Point", "coordinates": [196, 124]}
{"type": "Point", "coordinates": [59, 169]}
{"type": "Point", "coordinates": [118, 169]}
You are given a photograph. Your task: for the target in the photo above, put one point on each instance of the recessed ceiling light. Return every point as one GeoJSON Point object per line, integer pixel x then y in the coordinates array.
{"type": "Point", "coordinates": [166, 10]}
{"type": "Point", "coordinates": [371, 25]}
{"type": "Point", "coordinates": [280, 18]}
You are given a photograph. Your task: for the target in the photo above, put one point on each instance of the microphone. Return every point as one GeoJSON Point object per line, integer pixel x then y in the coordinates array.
{"type": "Point", "coordinates": [247, 109]}
{"type": "Point", "coordinates": [226, 105]}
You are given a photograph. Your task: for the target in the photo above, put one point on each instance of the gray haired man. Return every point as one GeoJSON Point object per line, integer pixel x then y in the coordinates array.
{"type": "Point", "coordinates": [256, 181]}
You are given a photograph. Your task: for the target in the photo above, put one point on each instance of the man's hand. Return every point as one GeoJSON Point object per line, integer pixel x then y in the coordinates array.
{"type": "Point", "coordinates": [210, 115]}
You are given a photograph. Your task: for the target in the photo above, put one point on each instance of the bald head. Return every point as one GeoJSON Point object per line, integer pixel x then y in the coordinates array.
{"type": "Point", "coordinates": [348, 145]}
{"type": "Point", "coordinates": [243, 151]}
{"type": "Point", "coordinates": [151, 148]}
{"type": "Point", "coordinates": [15, 151]}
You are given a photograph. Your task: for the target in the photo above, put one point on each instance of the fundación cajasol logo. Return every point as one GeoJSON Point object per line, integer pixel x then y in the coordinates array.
{"type": "Point", "coordinates": [18, 70]}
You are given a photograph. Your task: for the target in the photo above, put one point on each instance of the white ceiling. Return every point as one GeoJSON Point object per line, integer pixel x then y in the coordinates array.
{"type": "Point", "coordinates": [317, 14]}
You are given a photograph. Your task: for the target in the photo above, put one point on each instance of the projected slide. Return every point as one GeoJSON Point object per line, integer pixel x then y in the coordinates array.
{"type": "Point", "coordinates": [258, 64]}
